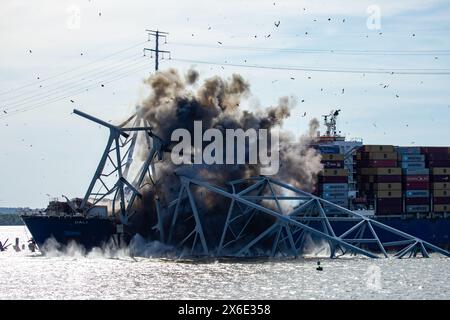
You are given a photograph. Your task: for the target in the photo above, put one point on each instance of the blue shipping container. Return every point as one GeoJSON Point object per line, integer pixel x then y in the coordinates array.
{"type": "Point", "coordinates": [408, 150]}
{"type": "Point", "coordinates": [418, 208]}
{"type": "Point", "coordinates": [413, 157]}
{"type": "Point", "coordinates": [334, 186]}
{"type": "Point", "coordinates": [411, 171]}
{"type": "Point", "coordinates": [413, 165]}
{"type": "Point", "coordinates": [417, 193]}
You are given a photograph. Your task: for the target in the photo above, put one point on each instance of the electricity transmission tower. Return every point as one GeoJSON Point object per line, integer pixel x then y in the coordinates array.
{"type": "Point", "coordinates": [157, 34]}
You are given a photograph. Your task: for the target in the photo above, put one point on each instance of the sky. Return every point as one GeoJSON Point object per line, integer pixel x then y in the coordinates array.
{"type": "Point", "coordinates": [55, 56]}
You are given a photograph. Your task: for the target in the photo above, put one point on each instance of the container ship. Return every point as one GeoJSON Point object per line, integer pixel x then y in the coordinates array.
{"type": "Point", "coordinates": [407, 188]}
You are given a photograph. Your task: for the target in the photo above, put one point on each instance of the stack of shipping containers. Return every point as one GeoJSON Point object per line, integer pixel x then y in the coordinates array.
{"type": "Point", "coordinates": [379, 178]}
{"type": "Point", "coordinates": [415, 180]}
{"type": "Point", "coordinates": [438, 161]}
{"type": "Point", "coordinates": [333, 180]}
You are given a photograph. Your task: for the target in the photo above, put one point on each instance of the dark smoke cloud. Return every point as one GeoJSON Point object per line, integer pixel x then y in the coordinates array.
{"type": "Point", "coordinates": [174, 103]}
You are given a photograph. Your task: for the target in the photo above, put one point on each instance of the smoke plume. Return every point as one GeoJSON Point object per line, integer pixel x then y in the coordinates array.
{"type": "Point", "coordinates": [177, 100]}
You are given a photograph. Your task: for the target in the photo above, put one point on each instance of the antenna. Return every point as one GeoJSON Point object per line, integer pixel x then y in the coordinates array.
{"type": "Point", "coordinates": [157, 34]}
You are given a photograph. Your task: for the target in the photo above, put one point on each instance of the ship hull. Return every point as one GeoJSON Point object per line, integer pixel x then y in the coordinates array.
{"type": "Point", "coordinates": [88, 232]}
{"type": "Point", "coordinates": [95, 232]}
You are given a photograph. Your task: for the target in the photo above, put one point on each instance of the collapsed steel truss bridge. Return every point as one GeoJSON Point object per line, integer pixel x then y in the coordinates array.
{"type": "Point", "coordinates": [290, 215]}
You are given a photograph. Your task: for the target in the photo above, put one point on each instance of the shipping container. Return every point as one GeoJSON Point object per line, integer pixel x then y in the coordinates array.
{"type": "Point", "coordinates": [411, 157]}
{"type": "Point", "coordinates": [408, 150]}
{"type": "Point", "coordinates": [416, 178]}
{"type": "Point", "coordinates": [334, 172]}
{"type": "Point", "coordinates": [440, 178]}
{"type": "Point", "coordinates": [441, 171]}
{"type": "Point", "coordinates": [378, 148]}
{"type": "Point", "coordinates": [377, 163]}
{"type": "Point", "coordinates": [417, 193]}
{"type": "Point", "coordinates": [389, 194]}
{"type": "Point", "coordinates": [333, 157]}
{"type": "Point", "coordinates": [335, 194]}
{"type": "Point", "coordinates": [441, 200]}
{"type": "Point", "coordinates": [381, 202]}
{"type": "Point", "coordinates": [416, 185]}
{"type": "Point", "coordinates": [438, 156]}
{"type": "Point", "coordinates": [438, 163]}
{"type": "Point", "coordinates": [441, 186]}
{"type": "Point", "coordinates": [382, 171]}
{"type": "Point", "coordinates": [375, 179]}
{"type": "Point", "coordinates": [441, 208]}
{"type": "Point", "coordinates": [417, 201]}
{"type": "Point", "coordinates": [376, 156]}
{"type": "Point", "coordinates": [334, 186]}
{"type": "Point", "coordinates": [441, 193]}
{"type": "Point", "coordinates": [387, 186]}
{"type": "Point", "coordinates": [434, 150]}
{"type": "Point", "coordinates": [333, 179]}
{"type": "Point", "coordinates": [411, 171]}
{"type": "Point", "coordinates": [419, 208]}
{"type": "Point", "coordinates": [413, 165]}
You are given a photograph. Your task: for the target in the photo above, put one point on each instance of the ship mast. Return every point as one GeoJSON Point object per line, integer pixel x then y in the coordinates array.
{"type": "Point", "coordinates": [330, 122]}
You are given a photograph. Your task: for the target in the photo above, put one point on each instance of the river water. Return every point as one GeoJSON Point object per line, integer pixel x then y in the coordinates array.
{"type": "Point", "coordinates": [100, 275]}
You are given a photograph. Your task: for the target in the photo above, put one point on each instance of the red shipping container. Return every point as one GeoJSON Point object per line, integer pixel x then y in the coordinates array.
{"type": "Point", "coordinates": [389, 202]}
{"type": "Point", "coordinates": [416, 185]}
{"type": "Point", "coordinates": [333, 179]}
{"type": "Point", "coordinates": [379, 179]}
{"type": "Point", "coordinates": [440, 178]}
{"type": "Point", "coordinates": [441, 200]}
{"type": "Point", "coordinates": [377, 163]}
{"type": "Point", "coordinates": [417, 201]}
{"type": "Point", "coordinates": [434, 150]}
{"type": "Point", "coordinates": [439, 156]}
{"type": "Point", "coordinates": [416, 178]}
{"type": "Point", "coordinates": [438, 163]}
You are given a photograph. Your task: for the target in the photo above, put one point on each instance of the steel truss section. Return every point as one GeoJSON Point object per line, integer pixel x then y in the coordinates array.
{"type": "Point", "coordinates": [293, 214]}
{"type": "Point", "coordinates": [118, 153]}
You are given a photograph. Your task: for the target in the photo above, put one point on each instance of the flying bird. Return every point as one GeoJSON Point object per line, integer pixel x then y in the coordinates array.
{"type": "Point", "coordinates": [277, 23]}
{"type": "Point", "coordinates": [72, 101]}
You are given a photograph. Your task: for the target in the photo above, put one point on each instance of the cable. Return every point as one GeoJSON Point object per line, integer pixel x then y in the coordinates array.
{"type": "Point", "coordinates": [293, 68]}
{"type": "Point", "coordinates": [42, 91]}
{"type": "Point", "coordinates": [74, 93]}
{"type": "Point", "coordinates": [70, 85]}
{"type": "Point", "coordinates": [75, 68]}
{"type": "Point", "coordinates": [320, 51]}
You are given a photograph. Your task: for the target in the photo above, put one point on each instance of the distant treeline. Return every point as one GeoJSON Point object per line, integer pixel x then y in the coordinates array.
{"type": "Point", "coordinates": [10, 219]}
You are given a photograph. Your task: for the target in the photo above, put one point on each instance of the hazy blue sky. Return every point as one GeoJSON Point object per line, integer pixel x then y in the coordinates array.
{"type": "Point", "coordinates": [46, 150]}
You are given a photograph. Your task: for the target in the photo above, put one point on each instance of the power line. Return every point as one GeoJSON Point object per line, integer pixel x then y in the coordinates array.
{"type": "Point", "coordinates": [319, 51]}
{"type": "Point", "coordinates": [73, 69]}
{"type": "Point", "coordinates": [294, 68]}
{"type": "Point", "coordinates": [61, 83]}
{"type": "Point", "coordinates": [74, 93]}
{"type": "Point", "coordinates": [75, 83]}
